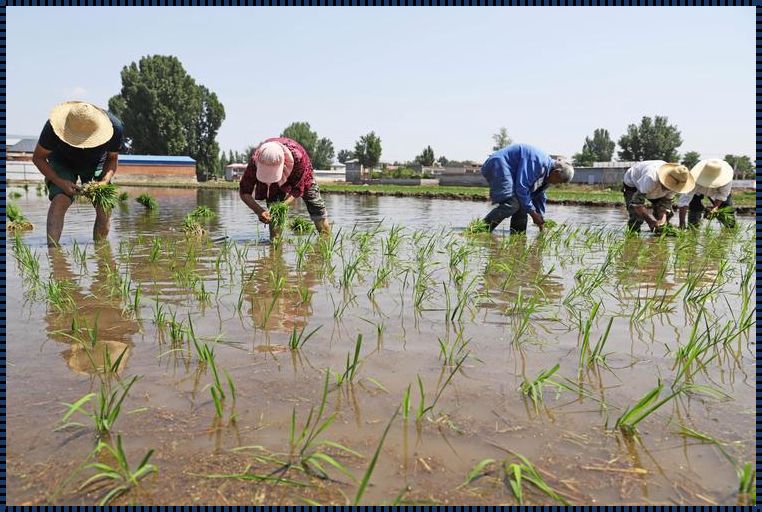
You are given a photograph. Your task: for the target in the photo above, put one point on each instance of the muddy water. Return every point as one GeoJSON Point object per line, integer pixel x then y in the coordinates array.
{"type": "Point", "coordinates": [522, 311]}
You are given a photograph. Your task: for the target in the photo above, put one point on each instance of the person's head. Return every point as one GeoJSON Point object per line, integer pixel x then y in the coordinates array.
{"type": "Point", "coordinates": [271, 158]}
{"type": "Point", "coordinates": [676, 177]}
{"type": "Point", "coordinates": [81, 125]}
{"type": "Point", "coordinates": [561, 172]}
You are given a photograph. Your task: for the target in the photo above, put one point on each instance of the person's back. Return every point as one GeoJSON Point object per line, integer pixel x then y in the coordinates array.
{"type": "Point", "coordinates": [519, 162]}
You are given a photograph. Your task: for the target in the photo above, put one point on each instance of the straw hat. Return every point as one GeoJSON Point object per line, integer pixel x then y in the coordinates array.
{"type": "Point", "coordinates": [713, 173]}
{"type": "Point", "coordinates": [81, 124]}
{"type": "Point", "coordinates": [676, 178]}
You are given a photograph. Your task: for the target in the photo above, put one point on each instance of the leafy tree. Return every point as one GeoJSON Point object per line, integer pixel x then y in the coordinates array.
{"type": "Point", "coordinates": [743, 167]}
{"type": "Point", "coordinates": [323, 156]}
{"type": "Point", "coordinates": [443, 161]}
{"type": "Point", "coordinates": [654, 139]}
{"type": "Point", "coordinates": [501, 139]}
{"type": "Point", "coordinates": [426, 158]}
{"type": "Point", "coordinates": [584, 158]}
{"type": "Point", "coordinates": [165, 112]}
{"type": "Point", "coordinates": [598, 149]}
{"type": "Point", "coordinates": [690, 159]}
{"type": "Point", "coordinates": [320, 150]}
{"type": "Point", "coordinates": [344, 155]}
{"type": "Point", "coordinates": [368, 150]}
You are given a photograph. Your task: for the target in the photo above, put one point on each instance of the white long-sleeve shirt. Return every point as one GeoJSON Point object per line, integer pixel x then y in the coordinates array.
{"type": "Point", "coordinates": [643, 177]}
{"type": "Point", "coordinates": [715, 194]}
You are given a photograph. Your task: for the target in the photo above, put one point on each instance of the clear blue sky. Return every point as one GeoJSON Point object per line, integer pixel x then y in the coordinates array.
{"type": "Point", "coordinates": [448, 77]}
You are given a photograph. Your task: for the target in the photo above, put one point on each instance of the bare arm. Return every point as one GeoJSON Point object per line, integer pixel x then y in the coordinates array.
{"type": "Point", "coordinates": [652, 222]}
{"type": "Point", "coordinates": [109, 166]}
{"type": "Point", "coordinates": [262, 213]}
{"type": "Point", "coordinates": [40, 160]}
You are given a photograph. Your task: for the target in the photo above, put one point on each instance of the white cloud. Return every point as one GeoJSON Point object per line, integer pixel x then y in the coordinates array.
{"type": "Point", "coordinates": [78, 93]}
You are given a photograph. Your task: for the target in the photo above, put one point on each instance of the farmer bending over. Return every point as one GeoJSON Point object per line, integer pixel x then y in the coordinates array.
{"type": "Point", "coordinates": [518, 176]}
{"type": "Point", "coordinates": [79, 141]}
{"type": "Point", "coordinates": [280, 170]}
{"type": "Point", "coordinates": [713, 180]}
{"type": "Point", "coordinates": [657, 181]}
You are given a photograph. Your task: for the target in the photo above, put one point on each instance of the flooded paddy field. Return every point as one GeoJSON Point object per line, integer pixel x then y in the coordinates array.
{"type": "Point", "coordinates": [397, 361]}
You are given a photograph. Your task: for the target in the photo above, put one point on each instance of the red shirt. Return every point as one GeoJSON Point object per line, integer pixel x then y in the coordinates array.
{"type": "Point", "coordinates": [300, 179]}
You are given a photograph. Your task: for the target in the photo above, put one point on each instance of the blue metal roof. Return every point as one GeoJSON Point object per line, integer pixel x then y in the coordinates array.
{"type": "Point", "coordinates": [156, 160]}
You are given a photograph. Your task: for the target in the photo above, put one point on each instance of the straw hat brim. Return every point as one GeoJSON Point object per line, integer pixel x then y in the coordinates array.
{"type": "Point", "coordinates": [725, 176]}
{"type": "Point", "coordinates": [101, 135]}
{"type": "Point", "coordinates": [666, 179]}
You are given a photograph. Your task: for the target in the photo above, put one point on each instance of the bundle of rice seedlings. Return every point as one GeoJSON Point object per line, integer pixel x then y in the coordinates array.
{"type": "Point", "coordinates": [192, 227]}
{"type": "Point", "coordinates": [123, 197]}
{"type": "Point", "coordinates": [278, 215]}
{"type": "Point", "coordinates": [477, 226]}
{"type": "Point", "coordinates": [202, 212]}
{"type": "Point", "coordinates": [301, 226]}
{"type": "Point", "coordinates": [147, 201]}
{"type": "Point", "coordinates": [723, 215]}
{"type": "Point", "coordinates": [666, 230]}
{"type": "Point", "coordinates": [15, 219]}
{"type": "Point", "coordinates": [100, 194]}
{"type": "Point", "coordinates": [550, 224]}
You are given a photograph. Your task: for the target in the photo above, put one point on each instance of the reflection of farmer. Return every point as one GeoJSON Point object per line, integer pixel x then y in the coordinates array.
{"type": "Point", "coordinates": [288, 308]}
{"type": "Point", "coordinates": [113, 330]}
{"type": "Point", "coordinates": [518, 176]}
{"type": "Point", "coordinates": [281, 170]}
{"type": "Point", "coordinates": [79, 141]}
{"type": "Point", "coordinates": [657, 181]}
{"type": "Point", "coordinates": [713, 180]}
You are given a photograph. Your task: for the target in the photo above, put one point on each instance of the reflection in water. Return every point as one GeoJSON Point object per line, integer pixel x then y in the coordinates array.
{"type": "Point", "coordinates": [96, 313]}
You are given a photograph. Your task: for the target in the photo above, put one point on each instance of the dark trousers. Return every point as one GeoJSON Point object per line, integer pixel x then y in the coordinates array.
{"type": "Point", "coordinates": [509, 208]}
{"type": "Point", "coordinates": [633, 199]}
{"type": "Point", "coordinates": [696, 211]}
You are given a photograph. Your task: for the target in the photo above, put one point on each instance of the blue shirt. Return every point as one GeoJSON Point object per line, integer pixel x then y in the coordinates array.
{"type": "Point", "coordinates": [518, 170]}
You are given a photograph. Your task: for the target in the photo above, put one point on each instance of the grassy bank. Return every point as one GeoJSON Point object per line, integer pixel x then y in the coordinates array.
{"type": "Point", "coordinates": [565, 194]}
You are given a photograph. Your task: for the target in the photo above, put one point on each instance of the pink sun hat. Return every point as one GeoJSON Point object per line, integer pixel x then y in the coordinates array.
{"type": "Point", "coordinates": [274, 162]}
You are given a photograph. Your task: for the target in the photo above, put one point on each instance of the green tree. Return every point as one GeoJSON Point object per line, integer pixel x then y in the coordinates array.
{"type": "Point", "coordinates": [443, 161]}
{"type": "Point", "coordinates": [743, 167]}
{"type": "Point", "coordinates": [690, 159]}
{"type": "Point", "coordinates": [320, 150]}
{"type": "Point", "coordinates": [323, 156]}
{"type": "Point", "coordinates": [344, 155]}
{"type": "Point", "coordinates": [584, 158]}
{"type": "Point", "coordinates": [426, 158]}
{"type": "Point", "coordinates": [598, 149]}
{"type": "Point", "coordinates": [654, 139]}
{"type": "Point", "coordinates": [501, 139]}
{"type": "Point", "coordinates": [165, 112]}
{"type": "Point", "coordinates": [368, 150]}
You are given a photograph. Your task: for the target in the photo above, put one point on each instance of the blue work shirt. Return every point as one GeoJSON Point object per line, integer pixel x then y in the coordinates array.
{"type": "Point", "coordinates": [518, 170]}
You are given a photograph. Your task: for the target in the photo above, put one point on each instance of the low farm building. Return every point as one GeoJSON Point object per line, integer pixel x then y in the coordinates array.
{"type": "Point", "coordinates": [143, 168]}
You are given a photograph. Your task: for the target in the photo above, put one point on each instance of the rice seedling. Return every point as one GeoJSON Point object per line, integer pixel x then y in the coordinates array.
{"type": "Point", "coordinates": [192, 227]}
{"type": "Point", "coordinates": [588, 356]}
{"type": "Point", "coordinates": [15, 194]}
{"type": "Point", "coordinates": [58, 294]}
{"type": "Point", "coordinates": [298, 339]}
{"type": "Point", "coordinates": [101, 194]}
{"type": "Point", "coordinates": [534, 388]}
{"type": "Point", "coordinates": [747, 484]}
{"type": "Point", "coordinates": [277, 283]}
{"type": "Point", "coordinates": [147, 201]}
{"type": "Point", "coordinates": [372, 464]}
{"type": "Point", "coordinates": [449, 352]}
{"type": "Point", "coordinates": [422, 407]}
{"type": "Point", "coordinates": [121, 477]}
{"type": "Point", "coordinates": [477, 226]}
{"type": "Point", "coordinates": [29, 263]}
{"type": "Point", "coordinates": [352, 365]}
{"type": "Point", "coordinates": [306, 450]}
{"type": "Point", "coordinates": [513, 475]}
{"type": "Point", "coordinates": [725, 216]}
{"type": "Point", "coordinates": [301, 226]}
{"type": "Point", "coordinates": [106, 409]}
{"type": "Point", "coordinates": [123, 197]}
{"type": "Point", "coordinates": [666, 230]}
{"type": "Point", "coordinates": [391, 244]}
{"type": "Point", "coordinates": [15, 220]}
{"type": "Point", "coordinates": [647, 405]}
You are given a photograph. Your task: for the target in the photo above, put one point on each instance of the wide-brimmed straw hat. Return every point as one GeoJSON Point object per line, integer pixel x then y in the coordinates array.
{"type": "Point", "coordinates": [712, 173]}
{"type": "Point", "coordinates": [270, 159]}
{"type": "Point", "coordinates": [81, 124]}
{"type": "Point", "coordinates": [676, 178]}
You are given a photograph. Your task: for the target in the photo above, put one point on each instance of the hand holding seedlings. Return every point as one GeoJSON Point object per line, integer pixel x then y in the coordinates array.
{"type": "Point", "coordinates": [264, 217]}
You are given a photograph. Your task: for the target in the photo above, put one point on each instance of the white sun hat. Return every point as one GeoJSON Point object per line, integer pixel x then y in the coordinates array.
{"type": "Point", "coordinates": [712, 173]}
